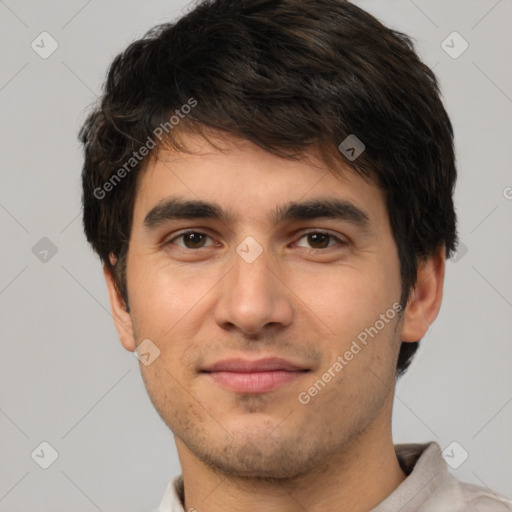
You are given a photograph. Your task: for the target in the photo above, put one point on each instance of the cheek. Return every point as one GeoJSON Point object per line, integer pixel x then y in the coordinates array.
{"type": "Point", "coordinates": [167, 307]}
{"type": "Point", "coordinates": [350, 299]}
{"type": "Point", "coordinates": [161, 297]}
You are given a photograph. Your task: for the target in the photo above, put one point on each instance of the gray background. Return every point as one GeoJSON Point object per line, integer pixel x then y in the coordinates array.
{"type": "Point", "coordinates": [64, 377]}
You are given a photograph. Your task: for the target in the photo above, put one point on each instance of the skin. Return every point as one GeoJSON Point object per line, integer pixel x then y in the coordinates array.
{"type": "Point", "coordinates": [299, 301]}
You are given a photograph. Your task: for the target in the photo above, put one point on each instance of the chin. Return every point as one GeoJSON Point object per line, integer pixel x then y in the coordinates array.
{"type": "Point", "coordinates": [250, 467]}
{"type": "Point", "coordinates": [261, 457]}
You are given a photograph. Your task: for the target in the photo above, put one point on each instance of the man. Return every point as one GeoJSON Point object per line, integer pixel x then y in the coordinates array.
{"type": "Point", "coordinates": [269, 187]}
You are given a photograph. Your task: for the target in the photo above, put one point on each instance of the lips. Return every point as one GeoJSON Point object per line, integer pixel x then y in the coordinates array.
{"type": "Point", "coordinates": [248, 366]}
{"type": "Point", "coordinates": [256, 376]}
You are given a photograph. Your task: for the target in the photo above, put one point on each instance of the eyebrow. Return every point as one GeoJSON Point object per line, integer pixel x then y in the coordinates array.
{"type": "Point", "coordinates": [175, 208]}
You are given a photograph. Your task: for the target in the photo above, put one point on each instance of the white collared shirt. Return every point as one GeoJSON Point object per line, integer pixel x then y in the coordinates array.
{"type": "Point", "coordinates": [429, 487]}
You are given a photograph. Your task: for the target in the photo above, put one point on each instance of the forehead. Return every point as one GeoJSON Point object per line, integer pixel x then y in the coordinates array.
{"type": "Point", "coordinates": [248, 182]}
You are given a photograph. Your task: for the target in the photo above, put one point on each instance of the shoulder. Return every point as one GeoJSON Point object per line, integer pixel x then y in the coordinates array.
{"type": "Point", "coordinates": [430, 487]}
{"type": "Point", "coordinates": [480, 499]}
{"type": "Point", "coordinates": [465, 497]}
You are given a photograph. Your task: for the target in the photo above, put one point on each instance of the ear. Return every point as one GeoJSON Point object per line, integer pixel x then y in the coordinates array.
{"type": "Point", "coordinates": [122, 318]}
{"type": "Point", "coordinates": [425, 299]}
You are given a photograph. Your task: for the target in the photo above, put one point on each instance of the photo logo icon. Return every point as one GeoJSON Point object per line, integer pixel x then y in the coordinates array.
{"type": "Point", "coordinates": [454, 45]}
{"type": "Point", "coordinates": [44, 45]}
{"type": "Point", "coordinates": [455, 455]}
{"type": "Point", "coordinates": [44, 250]}
{"type": "Point", "coordinates": [44, 455]}
{"type": "Point", "coordinates": [461, 251]}
{"type": "Point", "coordinates": [352, 147]}
{"type": "Point", "coordinates": [146, 352]}
{"type": "Point", "coordinates": [249, 249]}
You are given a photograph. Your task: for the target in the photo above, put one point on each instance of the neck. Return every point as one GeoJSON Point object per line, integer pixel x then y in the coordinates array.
{"type": "Point", "coordinates": [355, 479]}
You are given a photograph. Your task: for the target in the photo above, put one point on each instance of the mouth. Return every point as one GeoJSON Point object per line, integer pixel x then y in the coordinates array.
{"type": "Point", "coordinates": [259, 376]}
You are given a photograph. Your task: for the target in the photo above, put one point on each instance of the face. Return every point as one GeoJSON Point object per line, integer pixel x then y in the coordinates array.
{"type": "Point", "coordinates": [254, 297]}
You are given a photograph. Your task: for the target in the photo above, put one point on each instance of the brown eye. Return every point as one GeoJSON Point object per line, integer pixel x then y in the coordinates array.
{"type": "Point", "coordinates": [191, 240]}
{"type": "Point", "coordinates": [194, 240]}
{"type": "Point", "coordinates": [320, 240]}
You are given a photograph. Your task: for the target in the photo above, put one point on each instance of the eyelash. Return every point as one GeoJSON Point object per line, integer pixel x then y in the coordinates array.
{"type": "Point", "coordinates": [339, 241]}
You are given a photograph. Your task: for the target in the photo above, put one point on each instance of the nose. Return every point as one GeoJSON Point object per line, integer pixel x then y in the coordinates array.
{"type": "Point", "coordinates": [253, 298]}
